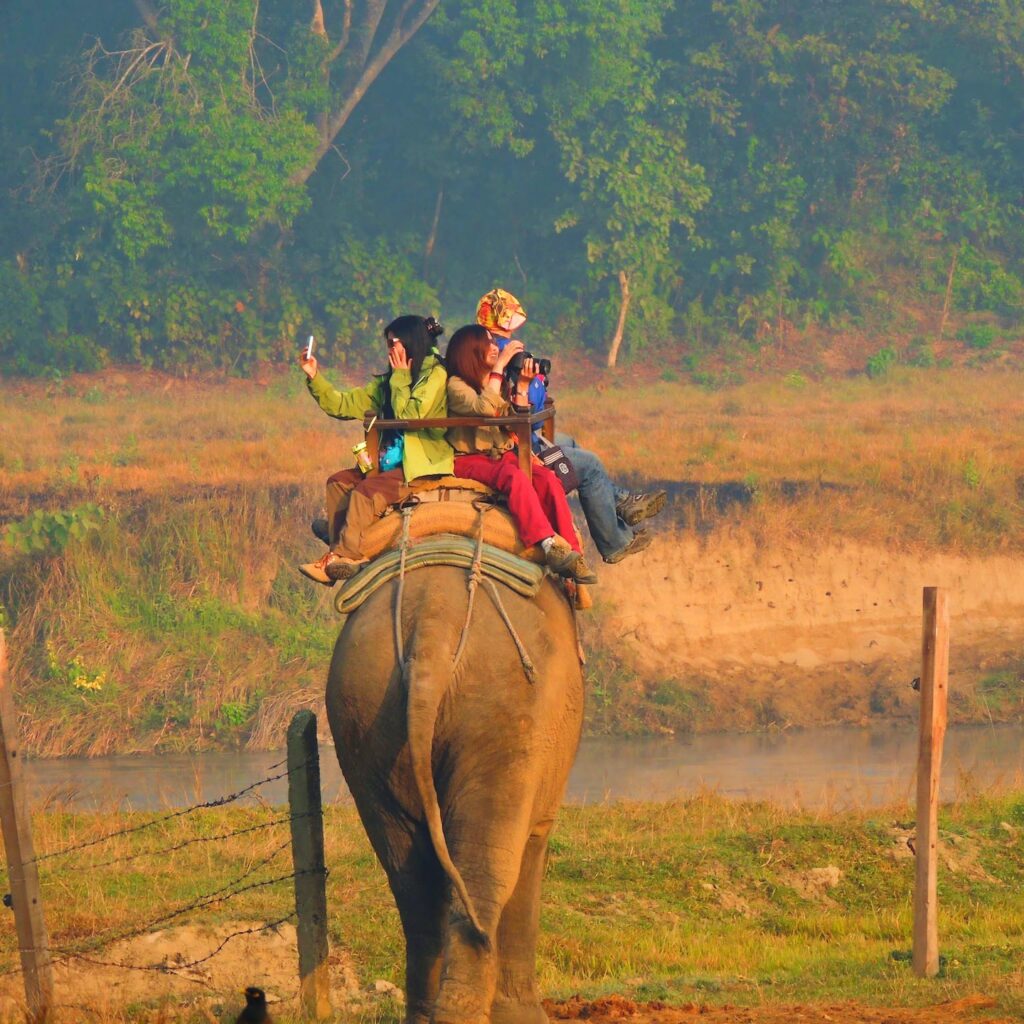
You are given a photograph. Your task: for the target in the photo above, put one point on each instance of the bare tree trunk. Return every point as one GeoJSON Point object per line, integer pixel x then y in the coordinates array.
{"type": "Point", "coordinates": [519, 267]}
{"type": "Point", "coordinates": [428, 249]}
{"type": "Point", "coordinates": [620, 327]}
{"type": "Point", "coordinates": [318, 28]}
{"type": "Point", "coordinates": [949, 292]}
{"type": "Point", "coordinates": [362, 64]}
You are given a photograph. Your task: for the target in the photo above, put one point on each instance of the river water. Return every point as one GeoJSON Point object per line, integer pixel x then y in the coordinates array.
{"type": "Point", "coordinates": [813, 768]}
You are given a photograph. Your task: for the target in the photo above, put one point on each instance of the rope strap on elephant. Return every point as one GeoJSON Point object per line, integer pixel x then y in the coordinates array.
{"type": "Point", "coordinates": [475, 576]}
{"type": "Point", "coordinates": [485, 563]}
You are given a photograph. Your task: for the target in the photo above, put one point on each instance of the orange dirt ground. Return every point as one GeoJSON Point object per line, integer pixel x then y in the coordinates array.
{"type": "Point", "coordinates": [617, 1008]}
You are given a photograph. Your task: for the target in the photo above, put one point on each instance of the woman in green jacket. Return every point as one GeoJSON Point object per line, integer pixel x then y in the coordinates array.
{"type": "Point", "coordinates": [413, 388]}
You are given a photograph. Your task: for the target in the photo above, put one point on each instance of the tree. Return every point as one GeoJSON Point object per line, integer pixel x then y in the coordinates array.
{"type": "Point", "coordinates": [369, 35]}
{"type": "Point", "coordinates": [634, 186]}
{"type": "Point", "coordinates": [595, 91]}
{"type": "Point", "coordinates": [184, 162]}
{"type": "Point", "coordinates": [226, 177]}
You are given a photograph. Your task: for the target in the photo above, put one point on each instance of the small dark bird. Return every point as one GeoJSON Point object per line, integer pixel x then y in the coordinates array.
{"type": "Point", "coordinates": [255, 1011]}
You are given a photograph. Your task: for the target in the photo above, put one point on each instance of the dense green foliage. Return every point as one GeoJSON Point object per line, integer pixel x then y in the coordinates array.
{"type": "Point", "coordinates": [201, 187]}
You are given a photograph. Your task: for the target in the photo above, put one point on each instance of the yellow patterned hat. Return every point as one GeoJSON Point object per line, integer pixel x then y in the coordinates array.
{"type": "Point", "coordinates": [500, 309]}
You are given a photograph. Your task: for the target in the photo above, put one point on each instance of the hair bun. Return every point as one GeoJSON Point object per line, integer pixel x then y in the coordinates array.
{"type": "Point", "coordinates": [433, 327]}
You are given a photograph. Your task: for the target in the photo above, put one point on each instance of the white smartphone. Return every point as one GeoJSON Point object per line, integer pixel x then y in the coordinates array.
{"type": "Point", "coordinates": [309, 347]}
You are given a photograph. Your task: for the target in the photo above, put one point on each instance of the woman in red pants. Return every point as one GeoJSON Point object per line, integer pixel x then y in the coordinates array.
{"type": "Point", "coordinates": [539, 507]}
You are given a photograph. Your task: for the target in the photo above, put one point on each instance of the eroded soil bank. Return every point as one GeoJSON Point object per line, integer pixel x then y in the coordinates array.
{"type": "Point", "coordinates": [746, 636]}
{"type": "Point", "coordinates": [181, 624]}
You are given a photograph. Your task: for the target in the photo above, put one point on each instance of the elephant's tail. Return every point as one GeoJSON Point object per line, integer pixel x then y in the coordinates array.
{"type": "Point", "coordinates": [428, 680]}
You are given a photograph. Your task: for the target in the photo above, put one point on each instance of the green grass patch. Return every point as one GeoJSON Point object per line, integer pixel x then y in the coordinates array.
{"type": "Point", "coordinates": [978, 336]}
{"type": "Point", "coordinates": [1003, 691]}
{"type": "Point", "coordinates": [703, 900]}
{"type": "Point", "coordinates": [166, 626]}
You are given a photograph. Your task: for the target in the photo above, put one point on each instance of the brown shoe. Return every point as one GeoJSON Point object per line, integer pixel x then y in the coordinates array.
{"type": "Point", "coordinates": [582, 573]}
{"type": "Point", "coordinates": [560, 557]}
{"type": "Point", "coordinates": [641, 539]}
{"type": "Point", "coordinates": [342, 568]}
{"type": "Point", "coordinates": [640, 505]}
{"type": "Point", "coordinates": [317, 571]}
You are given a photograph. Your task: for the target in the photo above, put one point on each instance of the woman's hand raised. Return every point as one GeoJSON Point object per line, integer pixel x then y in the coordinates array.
{"type": "Point", "coordinates": [309, 366]}
{"type": "Point", "coordinates": [528, 372]}
{"type": "Point", "coordinates": [398, 358]}
{"type": "Point", "coordinates": [505, 355]}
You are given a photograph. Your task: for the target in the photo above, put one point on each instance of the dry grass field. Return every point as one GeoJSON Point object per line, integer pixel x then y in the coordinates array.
{"type": "Point", "coordinates": [931, 458]}
{"type": "Point", "coordinates": [177, 621]}
{"type": "Point", "coordinates": [797, 506]}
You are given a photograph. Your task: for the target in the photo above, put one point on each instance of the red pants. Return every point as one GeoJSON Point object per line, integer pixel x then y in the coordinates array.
{"type": "Point", "coordinates": [539, 511]}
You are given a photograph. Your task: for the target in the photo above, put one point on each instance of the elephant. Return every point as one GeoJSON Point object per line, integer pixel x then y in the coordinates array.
{"type": "Point", "coordinates": [457, 776]}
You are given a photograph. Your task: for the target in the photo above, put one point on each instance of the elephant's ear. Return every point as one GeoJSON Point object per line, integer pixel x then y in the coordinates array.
{"type": "Point", "coordinates": [427, 673]}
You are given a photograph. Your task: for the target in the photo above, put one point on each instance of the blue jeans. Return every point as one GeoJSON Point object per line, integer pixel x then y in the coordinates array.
{"type": "Point", "coordinates": [598, 496]}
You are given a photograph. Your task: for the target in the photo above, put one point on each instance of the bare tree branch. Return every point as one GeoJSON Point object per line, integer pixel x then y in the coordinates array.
{"type": "Point", "coordinates": [365, 32]}
{"type": "Point", "coordinates": [131, 62]}
{"type": "Point", "coordinates": [428, 249]}
{"type": "Point", "coordinates": [362, 69]}
{"type": "Point", "coordinates": [317, 24]}
{"type": "Point", "coordinates": [346, 34]}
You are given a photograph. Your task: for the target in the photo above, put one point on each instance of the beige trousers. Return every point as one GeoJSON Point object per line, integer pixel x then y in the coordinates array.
{"type": "Point", "coordinates": [353, 503]}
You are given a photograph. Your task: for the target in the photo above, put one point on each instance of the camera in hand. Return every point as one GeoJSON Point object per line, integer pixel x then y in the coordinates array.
{"type": "Point", "coordinates": [515, 366]}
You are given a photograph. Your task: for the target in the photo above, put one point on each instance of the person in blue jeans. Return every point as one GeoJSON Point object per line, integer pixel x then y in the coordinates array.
{"type": "Point", "coordinates": [612, 512]}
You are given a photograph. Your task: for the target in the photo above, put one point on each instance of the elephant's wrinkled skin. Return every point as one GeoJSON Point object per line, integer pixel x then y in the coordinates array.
{"type": "Point", "coordinates": [492, 752]}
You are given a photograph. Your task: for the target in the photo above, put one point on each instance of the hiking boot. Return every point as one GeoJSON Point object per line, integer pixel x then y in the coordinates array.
{"type": "Point", "coordinates": [560, 557]}
{"type": "Point", "coordinates": [582, 573]}
{"type": "Point", "coordinates": [342, 568]}
{"type": "Point", "coordinates": [320, 529]}
{"type": "Point", "coordinates": [641, 539]}
{"type": "Point", "coordinates": [640, 505]}
{"type": "Point", "coordinates": [317, 571]}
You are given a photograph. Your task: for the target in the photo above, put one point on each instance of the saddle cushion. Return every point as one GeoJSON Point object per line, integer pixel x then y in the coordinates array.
{"type": "Point", "coordinates": [450, 509]}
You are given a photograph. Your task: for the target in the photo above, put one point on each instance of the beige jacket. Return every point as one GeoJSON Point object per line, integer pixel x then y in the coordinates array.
{"type": "Point", "coordinates": [464, 401]}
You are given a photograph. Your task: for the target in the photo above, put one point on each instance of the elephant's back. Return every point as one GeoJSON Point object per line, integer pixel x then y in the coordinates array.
{"type": "Point", "coordinates": [496, 630]}
{"type": "Point", "coordinates": [493, 703]}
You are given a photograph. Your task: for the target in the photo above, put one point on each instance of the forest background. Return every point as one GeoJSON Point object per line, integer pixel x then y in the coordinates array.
{"type": "Point", "coordinates": [196, 185]}
{"type": "Point", "coordinates": [798, 224]}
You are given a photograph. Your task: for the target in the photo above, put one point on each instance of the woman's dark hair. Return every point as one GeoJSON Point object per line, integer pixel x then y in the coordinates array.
{"type": "Point", "coordinates": [417, 337]}
{"type": "Point", "coordinates": [467, 355]}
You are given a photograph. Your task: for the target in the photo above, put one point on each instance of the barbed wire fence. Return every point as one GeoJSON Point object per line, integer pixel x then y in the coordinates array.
{"type": "Point", "coordinates": [305, 820]}
{"type": "Point", "coordinates": [226, 892]}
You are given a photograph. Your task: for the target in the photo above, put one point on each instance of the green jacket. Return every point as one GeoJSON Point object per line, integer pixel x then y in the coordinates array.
{"type": "Point", "coordinates": [426, 451]}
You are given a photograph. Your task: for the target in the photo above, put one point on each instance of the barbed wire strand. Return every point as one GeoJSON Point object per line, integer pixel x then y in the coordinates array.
{"type": "Point", "coordinates": [205, 805]}
{"type": "Point", "coordinates": [222, 894]}
{"type": "Point", "coordinates": [191, 965]}
{"type": "Point", "coordinates": [63, 954]}
{"type": "Point", "coordinates": [201, 839]}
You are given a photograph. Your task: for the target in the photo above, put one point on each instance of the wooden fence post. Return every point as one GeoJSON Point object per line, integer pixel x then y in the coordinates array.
{"type": "Point", "coordinates": [308, 857]}
{"type": "Point", "coordinates": [934, 692]}
{"type": "Point", "coordinates": [21, 865]}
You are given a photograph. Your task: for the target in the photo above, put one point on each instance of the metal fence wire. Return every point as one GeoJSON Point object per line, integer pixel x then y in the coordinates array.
{"type": "Point", "coordinates": [236, 887]}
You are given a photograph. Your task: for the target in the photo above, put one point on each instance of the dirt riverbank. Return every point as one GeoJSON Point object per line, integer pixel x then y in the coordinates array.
{"type": "Point", "coordinates": [800, 635]}
{"type": "Point", "coordinates": [617, 1009]}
